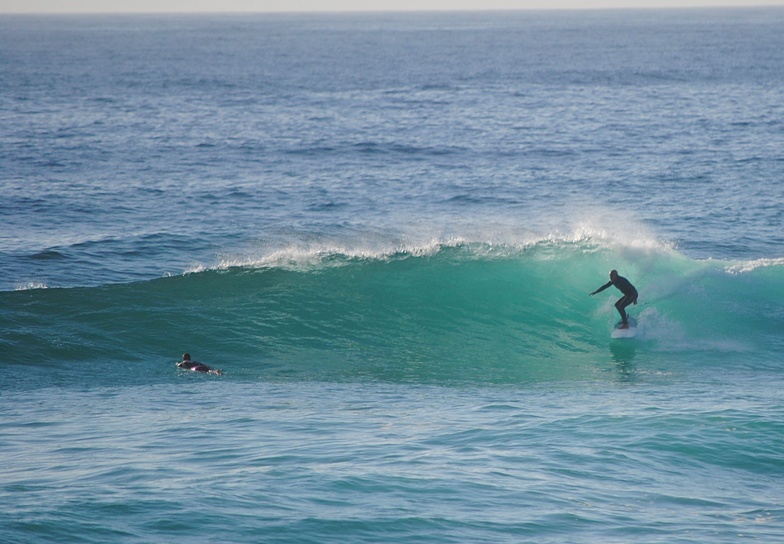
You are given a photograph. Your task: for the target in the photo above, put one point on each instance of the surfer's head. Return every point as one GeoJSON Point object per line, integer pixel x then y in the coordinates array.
{"type": "Point", "coordinates": [186, 356]}
{"type": "Point", "coordinates": [613, 274]}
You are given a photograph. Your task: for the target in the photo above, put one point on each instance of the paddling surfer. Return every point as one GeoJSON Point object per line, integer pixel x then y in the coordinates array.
{"type": "Point", "coordinates": [196, 366]}
{"type": "Point", "coordinates": [629, 295]}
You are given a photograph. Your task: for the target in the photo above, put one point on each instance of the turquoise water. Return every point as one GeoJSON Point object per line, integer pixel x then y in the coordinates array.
{"type": "Point", "coordinates": [308, 462]}
{"type": "Point", "coordinates": [462, 315]}
{"type": "Point", "coordinates": [383, 229]}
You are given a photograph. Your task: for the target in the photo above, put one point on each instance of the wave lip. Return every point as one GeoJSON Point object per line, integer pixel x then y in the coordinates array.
{"type": "Point", "coordinates": [500, 242]}
{"type": "Point", "coordinates": [750, 266]}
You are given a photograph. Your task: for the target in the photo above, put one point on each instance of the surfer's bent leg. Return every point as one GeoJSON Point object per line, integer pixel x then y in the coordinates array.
{"type": "Point", "coordinates": [622, 303]}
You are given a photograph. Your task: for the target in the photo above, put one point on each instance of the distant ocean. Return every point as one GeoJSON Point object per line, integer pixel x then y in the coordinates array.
{"type": "Point", "coordinates": [383, 229]}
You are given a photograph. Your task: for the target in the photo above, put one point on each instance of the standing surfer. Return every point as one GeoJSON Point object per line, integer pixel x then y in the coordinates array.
{"type": "Point", "coordinates": [629, 295]}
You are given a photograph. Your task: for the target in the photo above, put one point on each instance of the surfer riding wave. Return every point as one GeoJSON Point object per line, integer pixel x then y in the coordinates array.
{"type": "Point", "coordinates": [629, 295]}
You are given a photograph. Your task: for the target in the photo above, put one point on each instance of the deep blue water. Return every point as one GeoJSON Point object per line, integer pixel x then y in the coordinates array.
{"type": "Point", "coordinates": [383, 229]}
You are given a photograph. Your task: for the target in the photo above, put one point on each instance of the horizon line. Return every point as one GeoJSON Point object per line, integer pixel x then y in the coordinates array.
{"type": "Point", "coordinates": [679, 7]}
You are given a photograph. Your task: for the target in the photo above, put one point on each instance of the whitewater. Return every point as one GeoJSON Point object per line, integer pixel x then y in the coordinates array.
{"type": "Point", "coordinates": [383, 229]}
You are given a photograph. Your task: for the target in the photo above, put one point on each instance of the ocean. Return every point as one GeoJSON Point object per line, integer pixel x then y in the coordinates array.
{"type": "Point", "coordinates": [383, 229]}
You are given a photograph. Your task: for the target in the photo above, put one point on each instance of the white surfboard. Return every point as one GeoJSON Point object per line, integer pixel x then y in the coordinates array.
{"type": "Point", "coordinates": [631, 332]}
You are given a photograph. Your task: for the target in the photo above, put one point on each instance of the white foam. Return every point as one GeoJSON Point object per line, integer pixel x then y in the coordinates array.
{"type": "Point", "coordinates": [750, 266]}
{"type": "Point", "coordinates": [653, 325]}
{"type": "Point", "coordinates": [492, 237]}
{"type": "Point", "coordinates": [31, 285]}
{"type": "Point", "coordinates": [670, 335]}
{"type": "Point", "coordinates": [328, 254]}
{"type": "Point", "coordinates": [626, 235]}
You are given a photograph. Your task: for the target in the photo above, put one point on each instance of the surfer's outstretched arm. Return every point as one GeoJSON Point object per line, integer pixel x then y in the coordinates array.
{"type": "Point", "coordinates": [602, 288]}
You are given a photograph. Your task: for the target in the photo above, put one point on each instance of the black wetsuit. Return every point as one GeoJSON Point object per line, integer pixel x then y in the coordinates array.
{"type": "Point", "coordinates": [193, 365]}
{"type": "Point", "coordinates": [629, 294]}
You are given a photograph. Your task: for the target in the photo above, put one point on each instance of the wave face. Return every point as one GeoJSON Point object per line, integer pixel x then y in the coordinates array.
{"type": "Point", "coordinates": [470, 313]}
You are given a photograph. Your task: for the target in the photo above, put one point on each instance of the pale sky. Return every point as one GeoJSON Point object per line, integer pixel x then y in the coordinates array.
{"type": "Point", "coordinates": [189, 6]}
